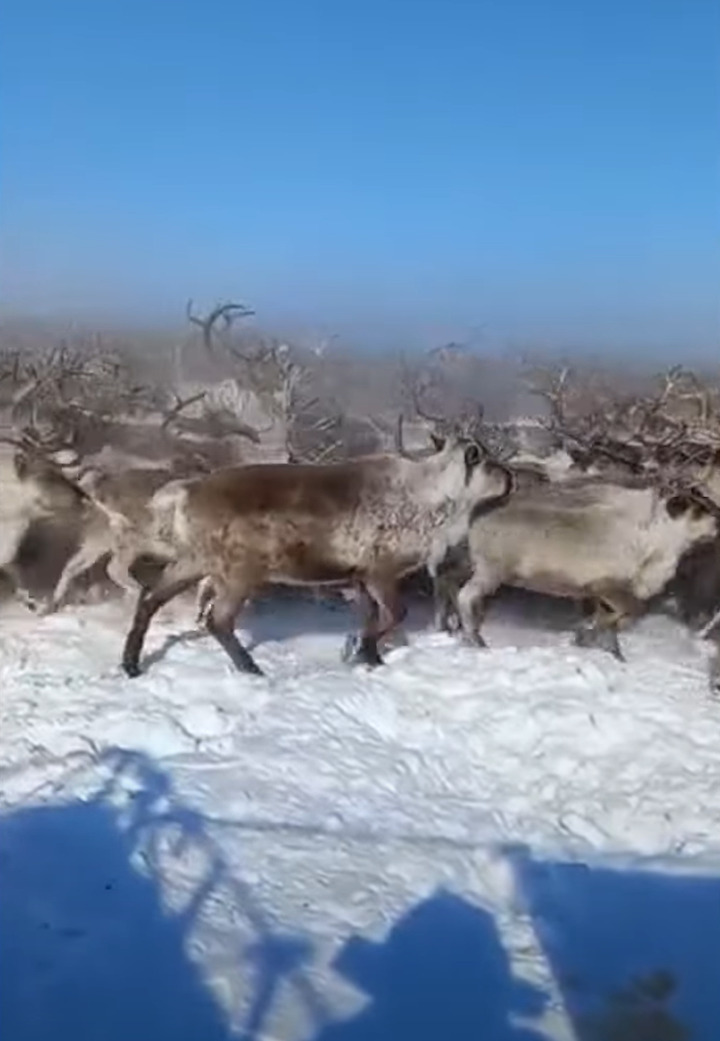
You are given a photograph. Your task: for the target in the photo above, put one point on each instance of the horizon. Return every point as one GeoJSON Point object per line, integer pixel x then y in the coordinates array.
{"type": "Point", "coordinates": [410, 174]}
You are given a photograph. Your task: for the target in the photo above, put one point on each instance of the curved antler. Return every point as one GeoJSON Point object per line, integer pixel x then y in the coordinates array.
{"type": "Point", "coordinates": [228, 312]}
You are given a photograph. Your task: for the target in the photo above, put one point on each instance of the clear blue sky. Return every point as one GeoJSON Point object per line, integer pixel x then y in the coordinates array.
{"type": "Point", "coordinates": [546, 168]}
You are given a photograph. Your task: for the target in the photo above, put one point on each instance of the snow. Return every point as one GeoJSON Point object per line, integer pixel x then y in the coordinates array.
{"type": "Point", "coordinates": [517, 844]}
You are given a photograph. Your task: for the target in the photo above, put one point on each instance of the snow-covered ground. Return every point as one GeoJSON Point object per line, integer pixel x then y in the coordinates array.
{"type": "Point", "coordinates": [522, 843]}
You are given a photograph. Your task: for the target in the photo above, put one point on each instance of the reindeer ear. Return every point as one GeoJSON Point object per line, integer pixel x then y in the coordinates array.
{"type": "Point", "coordinates": [677, 505]}
{"type": "Point", "coordinates": [438, 442]}
{"type": "Point", "coordinates": [473, 456]}
{"type": "Point", "coordinates": [20, 462]}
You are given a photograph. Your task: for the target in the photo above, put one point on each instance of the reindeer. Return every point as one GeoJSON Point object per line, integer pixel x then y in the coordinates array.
{"type": "Point", "coordinates": [109, 516]}
{"type": "Point", "coordinates": [581, 530]}
{"type": "Point", "coordinates": [118, 525]}
{"type": "Point", "coordinates": [104, 510]}
{"type": "Point", "coordinates": [616, 545]}
{"type": "Point", "coordinates": [112, 519]}
{"type": "Point", "coordinates": [33, 489]}
{"type": "Point", "coordinates": [364, 523]}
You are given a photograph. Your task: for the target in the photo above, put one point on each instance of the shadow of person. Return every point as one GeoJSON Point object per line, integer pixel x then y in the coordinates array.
{"type": "Point", "coordinates": [441, 975]}
{"type": "Point", "coordinates": [635, 952]}
{"type": "Point", "coordinates": [88, 949]}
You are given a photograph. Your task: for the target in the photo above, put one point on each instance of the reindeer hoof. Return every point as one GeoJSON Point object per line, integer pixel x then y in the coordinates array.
{"type": "Point", "coordinates": [449, 624]}
{"type": "Point", "coordinates": [714, 674]}
{"type": "Point", "coordinates": [585, 636]}
{"type": "Point", "coordinates": [590, 636]}
{"type": "Point", "coordinates": [399, 638]}
{"type": "Point", "coordinates": [131, 669]}
{"type": "Point", "coordinates": [349, 648]}
{"type": "Point", "coordinates": [473, 640]}
{"type": "Point", "coordinates": [361, 650]}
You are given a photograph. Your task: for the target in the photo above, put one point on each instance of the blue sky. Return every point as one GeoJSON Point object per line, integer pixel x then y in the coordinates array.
{"type": "Point", "coordinates": [545, 169]}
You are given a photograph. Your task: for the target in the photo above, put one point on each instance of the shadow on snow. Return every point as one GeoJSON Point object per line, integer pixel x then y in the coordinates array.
{"type": "Point", "coordinates": [89, 951]}
{"type": "Point", "coordinates": [442, 973]}
{"type": "Point", "coordinates": [89, 948]}
{"type": "Point", "coordinates": [635, 954]}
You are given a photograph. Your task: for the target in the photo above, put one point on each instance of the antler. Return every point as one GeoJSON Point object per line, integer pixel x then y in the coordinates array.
{"type": "Point", "coordinates": [180, 405]}
{"type": "Point", "coordinates": [228, 312]}
{"type": "Point", "coordinates": [436, 421]}
{"type": "Point", "coordinates": [471, 422]}
{"type": "Point", "coordinates": [229, 424]}
{"type": "Point", "coordinates": [29, 439]}
{"type": "Point", "coordinates": [399, 441]}
{"type": "Point", "coordinates": [554, 394]}
{"type": "Point", "coordinates": [671, 440]}
{"type": "Point", "coordinates": [51, 442]}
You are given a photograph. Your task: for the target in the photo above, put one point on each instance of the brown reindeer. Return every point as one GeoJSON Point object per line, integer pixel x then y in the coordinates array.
{"type": "Point", "coordinates": [364, 523]}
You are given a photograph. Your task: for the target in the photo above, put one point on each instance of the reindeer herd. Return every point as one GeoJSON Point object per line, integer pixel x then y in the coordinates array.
{"type": "Point", "coordinates": [624, 510]}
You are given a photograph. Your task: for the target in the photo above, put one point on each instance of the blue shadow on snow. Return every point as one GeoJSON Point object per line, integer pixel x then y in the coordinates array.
{"type": "Point", "coordinates": [636, 954]}
{"type": "Point", "coordinates": [442, 974]}
{"type": "Point", "coordinates": [87, 951]}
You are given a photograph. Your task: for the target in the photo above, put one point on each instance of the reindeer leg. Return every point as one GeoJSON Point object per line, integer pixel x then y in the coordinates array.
{"type": "Point", "coordinates": [392, 612]}
{"type": "Point", "coordinates": [449, 569]}
{"type": "Point", "coordinates": [23, 595]}
{"type": "Point", "coordinates": [446, 617]}
{"type": "Point", "coordinates": [203, 603]}
{"type": "Point", "coordinates": [599, 634]}
{"type": "Point", "coordinates": [360, 649]}
{"type": "Point", "coordinates": [118, 570]}
{"type": "Point", "coordinates": [81, 561]}
{"type": "Point", "coordinates": [28, 600]}
{"type": "Point", "coordinates": [471, 601]}
{"type": "Point", "coordinates": [601, 631]}
{"type": "Point", "coordinates": [587, 629]}
{"type": "Point", "coordinates": [174, 581]}
{"type": "Point", "coordinates": [383, 614]}
{"type": "Point", "coordinates": [221, 624]}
